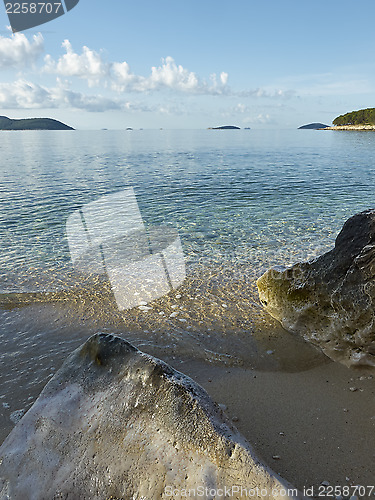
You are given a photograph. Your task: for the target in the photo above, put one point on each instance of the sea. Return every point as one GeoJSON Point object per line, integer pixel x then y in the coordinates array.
{"type": "Point", "coordinates": [241, 201]}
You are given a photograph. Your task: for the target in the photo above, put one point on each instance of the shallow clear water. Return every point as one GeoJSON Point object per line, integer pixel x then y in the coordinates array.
{"type": "Point", "coordinates": [241, 201]}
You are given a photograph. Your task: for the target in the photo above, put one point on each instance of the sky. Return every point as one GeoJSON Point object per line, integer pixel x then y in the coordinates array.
{"type": "Point", "coordinates": [267, 64]}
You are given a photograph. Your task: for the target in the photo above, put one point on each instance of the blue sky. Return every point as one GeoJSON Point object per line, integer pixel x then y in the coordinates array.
{"type": "Point", "coordinates": [173, 64]}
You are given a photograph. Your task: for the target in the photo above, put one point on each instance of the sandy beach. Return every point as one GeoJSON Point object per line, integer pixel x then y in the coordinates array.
{"type": "Point", "coordinates": [309, 418]}
{"type": "Point", "coordinates": [311, 427]}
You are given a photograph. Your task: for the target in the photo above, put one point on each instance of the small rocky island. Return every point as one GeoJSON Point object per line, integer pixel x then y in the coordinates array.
{"type": "Point", "coordinates": [32, 124]}
{"type": "Point", "coordinates": [313, 126]}
{"type": "Point", "coordinates": [225, 127]}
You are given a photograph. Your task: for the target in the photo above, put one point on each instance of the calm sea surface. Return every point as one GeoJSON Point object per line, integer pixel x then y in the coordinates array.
{"type": "Point", "coordinates": [241, 201]}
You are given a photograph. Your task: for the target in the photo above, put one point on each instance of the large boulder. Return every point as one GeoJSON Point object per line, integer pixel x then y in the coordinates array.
{"type": "Point", "coordinates": [117, 423]}
{"type": "Point", "coordinates": [330, 300]}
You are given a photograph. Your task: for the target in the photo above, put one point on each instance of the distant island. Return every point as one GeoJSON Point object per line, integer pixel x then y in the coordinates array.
{"type": "Point", "coordinates": [224, 127]}
{"type": "Point", "coordinates": [32, 124]}
{"type": "Point", "coordinates": [313, 126]}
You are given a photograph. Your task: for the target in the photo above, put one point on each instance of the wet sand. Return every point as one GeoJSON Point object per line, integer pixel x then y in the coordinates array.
{"type": "Point", "coordinates": [310, 427]}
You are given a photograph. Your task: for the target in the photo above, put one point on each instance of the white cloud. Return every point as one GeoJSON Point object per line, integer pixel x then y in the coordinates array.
{"type": "Point", "coordinates": [17, 51]}
{"type": "Point", "coordinates": [266, 93]}
{"type": "Point", "coordinates": [172, 76]}
{"type": "Point", "coordinates": [224, 78]}
{"type": "Point", "coordinates": [23, 94]}
{"type": "Point", "coordinates": [122, 77]}
{"type": "Point", "coordinates": [89, 65]}
{"type": "Point", "coordinates": [249, 114]}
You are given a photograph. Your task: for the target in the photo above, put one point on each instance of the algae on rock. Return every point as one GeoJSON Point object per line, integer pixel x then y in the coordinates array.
{"type": "Point", "coordinates": [330, 300]}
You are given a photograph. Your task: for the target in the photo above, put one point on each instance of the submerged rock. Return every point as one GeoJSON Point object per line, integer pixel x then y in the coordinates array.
{"type": "Point", "coordinates": [331, 300]}
{"type": "Point", "coordinates": [116, 423]}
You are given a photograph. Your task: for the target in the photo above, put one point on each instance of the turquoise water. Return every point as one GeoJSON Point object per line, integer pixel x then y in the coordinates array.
{"type": "Point", "coordinates": [241, 201]}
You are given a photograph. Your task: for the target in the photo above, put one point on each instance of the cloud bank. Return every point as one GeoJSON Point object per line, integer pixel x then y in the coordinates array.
{"type": "Point", "coordinates": [23, 94]}
{"type": "Point", "coordinates": [92, 67]}
{"type": "Point", "coordinates": [114, 79]}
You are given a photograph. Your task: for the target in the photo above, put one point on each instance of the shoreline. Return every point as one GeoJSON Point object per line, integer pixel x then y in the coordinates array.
{"type": "Point", "coordinates": [313, 427]}
{"type": "Point", "coordinates": [350, 127]}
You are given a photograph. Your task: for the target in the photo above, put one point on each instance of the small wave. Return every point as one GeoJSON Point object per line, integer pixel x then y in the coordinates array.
{"type": "Point", "coordinates": [57, 288]}
{"type": "Point", "coordinates": [214, 316]}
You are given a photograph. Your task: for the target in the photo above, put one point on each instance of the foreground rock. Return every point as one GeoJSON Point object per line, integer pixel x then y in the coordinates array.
{"type": "Point", "coordinates": [116, 423]}
{"type": "Point", "coordinates": [331, 300]}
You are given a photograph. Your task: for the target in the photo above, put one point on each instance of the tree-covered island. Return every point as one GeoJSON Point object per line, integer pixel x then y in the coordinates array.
{"type": "Point", "coordinates": [360, 117]}
{"type": "Point", "coordinates": [32, 124]}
